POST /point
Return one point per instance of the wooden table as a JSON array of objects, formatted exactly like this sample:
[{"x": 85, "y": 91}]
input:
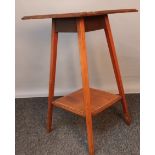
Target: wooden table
[{"x": 87, "y": 101}]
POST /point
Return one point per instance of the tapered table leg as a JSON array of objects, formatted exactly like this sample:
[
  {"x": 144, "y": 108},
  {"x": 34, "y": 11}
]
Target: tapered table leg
[
  {"x": 85, "y": 83},
  {"x": 116, "y": 68},
  {"x": 54, "y": 40}
]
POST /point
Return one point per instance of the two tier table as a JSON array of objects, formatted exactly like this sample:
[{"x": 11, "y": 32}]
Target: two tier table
[{"x": 87, "y": 101}]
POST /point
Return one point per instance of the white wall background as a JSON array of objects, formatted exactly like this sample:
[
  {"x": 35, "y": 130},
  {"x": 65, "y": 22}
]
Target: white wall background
[{"x": 33, "y": 48}]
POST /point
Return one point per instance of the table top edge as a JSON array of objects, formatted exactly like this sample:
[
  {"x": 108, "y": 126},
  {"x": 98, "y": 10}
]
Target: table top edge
[{"x": 79, "y": 14}]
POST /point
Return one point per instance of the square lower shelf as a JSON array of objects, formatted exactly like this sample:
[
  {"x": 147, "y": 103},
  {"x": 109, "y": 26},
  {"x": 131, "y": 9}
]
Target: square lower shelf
[{"x": 100, "y": 100}]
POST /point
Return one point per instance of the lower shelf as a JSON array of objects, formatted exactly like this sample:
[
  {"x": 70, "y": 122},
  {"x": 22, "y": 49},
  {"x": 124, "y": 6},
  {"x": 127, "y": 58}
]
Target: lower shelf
[{"x": 100, "y": 100}]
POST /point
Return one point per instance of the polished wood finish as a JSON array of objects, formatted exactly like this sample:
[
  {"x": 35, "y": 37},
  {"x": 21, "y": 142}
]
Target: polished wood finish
[
  {"x": 66, "y": 25},
  {"x": 94, "y": 23},
  {"x": 116, "y": 68},
  {"x": 87, "y": 101},
  {"x": 79, "y": 14},
  {"x": 100, "y": 100},
  {"x": 54, "y": 40},
  {"x": 85, "y": 83},
  {"x": 69, "y": 24}
]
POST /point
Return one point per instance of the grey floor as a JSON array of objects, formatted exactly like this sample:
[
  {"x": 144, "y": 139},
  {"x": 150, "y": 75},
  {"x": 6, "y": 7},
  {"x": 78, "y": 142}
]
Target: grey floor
[{"x": 112, "y": 136}]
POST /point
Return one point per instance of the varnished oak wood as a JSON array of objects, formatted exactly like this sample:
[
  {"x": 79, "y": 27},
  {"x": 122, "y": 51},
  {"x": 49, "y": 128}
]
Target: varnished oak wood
[
  {"x": 100, "y": 100},
  {"x": 116, "y": 69},
  {"x": 85, "y": 83},
  {"x": 85, "y": 102},
  {"x": 79, "y": 14},
  {"x": 54, "y": 40}
]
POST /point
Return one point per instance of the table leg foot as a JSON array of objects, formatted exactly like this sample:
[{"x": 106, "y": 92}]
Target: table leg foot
[{"x": 127, "y": 118}]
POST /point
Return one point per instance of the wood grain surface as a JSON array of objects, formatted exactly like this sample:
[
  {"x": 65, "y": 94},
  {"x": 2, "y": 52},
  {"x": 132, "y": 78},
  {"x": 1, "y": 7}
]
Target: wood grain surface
[
  {"x": 53, "y": 58},
  {"x": 100, "y": 100},
  {"x": 79, "y": 14}
]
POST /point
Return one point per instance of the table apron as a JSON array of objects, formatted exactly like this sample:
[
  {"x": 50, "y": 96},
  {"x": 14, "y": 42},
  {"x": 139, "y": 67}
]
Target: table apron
[{"x": 70, "y": 24}]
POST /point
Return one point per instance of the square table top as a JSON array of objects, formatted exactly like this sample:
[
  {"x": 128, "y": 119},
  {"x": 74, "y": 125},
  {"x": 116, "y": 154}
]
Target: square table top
[{"x": 79, "y": 14}]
